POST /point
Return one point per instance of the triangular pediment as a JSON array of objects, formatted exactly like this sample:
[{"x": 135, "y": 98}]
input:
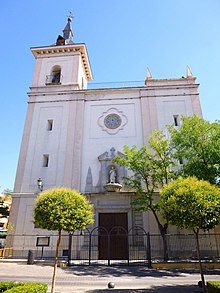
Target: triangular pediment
[{"x": 109, "y": 156}]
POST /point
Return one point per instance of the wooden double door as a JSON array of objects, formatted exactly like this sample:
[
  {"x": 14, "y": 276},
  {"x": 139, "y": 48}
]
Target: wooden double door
[{"x": 113, "y": 238}]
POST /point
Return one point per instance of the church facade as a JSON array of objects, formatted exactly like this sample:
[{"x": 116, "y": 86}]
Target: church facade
[{"x": 72, "y": 134}]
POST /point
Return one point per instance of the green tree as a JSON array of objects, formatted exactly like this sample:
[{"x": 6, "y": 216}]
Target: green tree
[
  {"x": 62, "y": 209},
  {"x": 7, "y": 193},
  {"x": 197, "y": 144},
  {"x": 4, "y": 209},
  {"x": 151, "y": 168},
  {"x": 191, "y": 204}
]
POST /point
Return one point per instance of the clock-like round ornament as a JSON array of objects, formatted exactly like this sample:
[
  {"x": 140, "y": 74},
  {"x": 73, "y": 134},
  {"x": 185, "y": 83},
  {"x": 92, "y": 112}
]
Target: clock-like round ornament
[{"x": 112, "y": 121}]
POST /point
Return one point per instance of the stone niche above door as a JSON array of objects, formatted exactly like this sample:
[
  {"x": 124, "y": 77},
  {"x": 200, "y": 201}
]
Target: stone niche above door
[{"x": 106, "y": 166}]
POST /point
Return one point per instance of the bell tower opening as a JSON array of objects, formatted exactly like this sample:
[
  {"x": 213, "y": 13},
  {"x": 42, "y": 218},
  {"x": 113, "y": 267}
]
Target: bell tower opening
[{"x": 55, "y": 75}]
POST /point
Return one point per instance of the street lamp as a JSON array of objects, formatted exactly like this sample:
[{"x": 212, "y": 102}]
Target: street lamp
[{"x": 40, "y": 184}]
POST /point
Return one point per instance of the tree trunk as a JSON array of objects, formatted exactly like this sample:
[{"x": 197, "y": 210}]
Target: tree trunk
[
  {"x": 163, "y": 232},
  {"x": 55, "y": 263},
  {"x": 199, "y": 259},
  {"x": 165, "y": 247}
]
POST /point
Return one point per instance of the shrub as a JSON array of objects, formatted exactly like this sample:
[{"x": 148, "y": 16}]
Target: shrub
[
  {"x": 25, "y": 287},
  {"x": 8, "y": 285},
  {"x": 213, "y": 286}
]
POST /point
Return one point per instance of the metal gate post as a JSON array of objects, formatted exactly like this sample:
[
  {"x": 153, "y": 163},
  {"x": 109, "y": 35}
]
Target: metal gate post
[
  {"x": 90, "y": 247},
  {"x": 108, "y": 249},
  {"x": 128, "y": 248},
  {"x": 70, "y": 249},
  {"x": 149, "y": 251}
]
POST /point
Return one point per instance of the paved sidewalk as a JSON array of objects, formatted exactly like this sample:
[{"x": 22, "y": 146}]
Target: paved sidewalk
[{"x": 95, "y": 279}]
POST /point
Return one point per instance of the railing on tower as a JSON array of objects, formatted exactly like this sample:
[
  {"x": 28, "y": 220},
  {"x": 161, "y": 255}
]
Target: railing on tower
[
  {"x": 53, "y": 79},
  {"x": 121, "y": 84}
]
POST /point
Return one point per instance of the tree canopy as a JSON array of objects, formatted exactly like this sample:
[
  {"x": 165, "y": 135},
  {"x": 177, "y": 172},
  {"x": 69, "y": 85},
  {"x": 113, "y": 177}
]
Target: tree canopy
[
  {"x": 62, "y": 209},
  {"x": 191, "y": 204},
  {"x": 7, "y": 193},
  {"x": 4, "y": 209},
  {"x": 197, "y": 143},
  {"x": 151, "y": 167},
  {"x": 5, "y": 200}
]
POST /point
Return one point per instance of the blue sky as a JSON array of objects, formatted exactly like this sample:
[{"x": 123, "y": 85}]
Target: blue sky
[{"x": 123, "y": 38}]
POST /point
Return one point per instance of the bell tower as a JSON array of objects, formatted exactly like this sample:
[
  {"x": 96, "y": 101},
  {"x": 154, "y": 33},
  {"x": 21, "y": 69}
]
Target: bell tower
[
  {"x": 52, "y": 141},
  {"x": 64, "y": 64}
]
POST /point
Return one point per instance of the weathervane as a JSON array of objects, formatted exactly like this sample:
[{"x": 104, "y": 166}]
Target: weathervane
[{"x": 70, "y": 14}]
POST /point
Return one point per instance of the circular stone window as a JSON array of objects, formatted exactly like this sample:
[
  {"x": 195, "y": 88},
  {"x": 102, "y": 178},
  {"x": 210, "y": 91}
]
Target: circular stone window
[{"x": 112, "y": 121}]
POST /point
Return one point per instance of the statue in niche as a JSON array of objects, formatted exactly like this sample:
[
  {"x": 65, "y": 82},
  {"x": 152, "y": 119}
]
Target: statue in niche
[
  {"x": 112, "y": 185},
  {"x": 112, "y": 175}
]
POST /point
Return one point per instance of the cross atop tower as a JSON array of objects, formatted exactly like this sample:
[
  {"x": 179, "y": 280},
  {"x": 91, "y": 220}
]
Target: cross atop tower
[{"x": 70, "y": 15}]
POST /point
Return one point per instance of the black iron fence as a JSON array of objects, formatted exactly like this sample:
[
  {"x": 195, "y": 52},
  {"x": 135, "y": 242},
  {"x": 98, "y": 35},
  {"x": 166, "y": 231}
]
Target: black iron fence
[{"x": 118, "y": 246}]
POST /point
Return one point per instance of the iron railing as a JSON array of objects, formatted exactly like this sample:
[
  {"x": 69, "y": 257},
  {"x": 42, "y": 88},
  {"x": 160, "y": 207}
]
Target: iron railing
[
  {"x": 53, "y": 79},
  {"x": 121, "y": 84},
  {"x": 139, "y": 247}
]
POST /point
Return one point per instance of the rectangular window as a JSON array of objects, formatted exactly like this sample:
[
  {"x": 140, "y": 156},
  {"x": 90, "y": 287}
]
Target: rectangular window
[
  {"x": 49, "y": 125},
  {"x": 176, "y": 120},
  {"x": 45, "y": 160}
]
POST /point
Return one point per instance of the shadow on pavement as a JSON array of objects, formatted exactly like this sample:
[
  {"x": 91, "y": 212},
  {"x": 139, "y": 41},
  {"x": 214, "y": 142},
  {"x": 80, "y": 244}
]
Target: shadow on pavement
[
  {"x": 164, "y": 289},
  {"x": 105, "y": 271},
  {"x": 136, "y": 271}
]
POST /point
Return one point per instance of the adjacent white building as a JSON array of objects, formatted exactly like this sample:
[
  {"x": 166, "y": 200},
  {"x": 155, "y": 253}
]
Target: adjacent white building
[{"x": 72, "y": 132}]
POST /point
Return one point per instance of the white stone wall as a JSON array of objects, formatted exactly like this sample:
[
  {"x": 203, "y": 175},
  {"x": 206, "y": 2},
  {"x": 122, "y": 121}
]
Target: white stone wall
[
  {"x": 42, "y": 141},
  {"x": 97, "y": 138},
  {"x": 169, "y": 107},
  {"x": 72, "y": 69},
  {"x": 80, "y": 135}
]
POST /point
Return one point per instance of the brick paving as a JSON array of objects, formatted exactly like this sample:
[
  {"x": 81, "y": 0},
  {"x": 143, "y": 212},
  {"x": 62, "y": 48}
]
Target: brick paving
[{"x": 95, "y": 279}]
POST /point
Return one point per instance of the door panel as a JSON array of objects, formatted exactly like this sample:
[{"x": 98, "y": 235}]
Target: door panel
[{"x": 116, "y": 242}]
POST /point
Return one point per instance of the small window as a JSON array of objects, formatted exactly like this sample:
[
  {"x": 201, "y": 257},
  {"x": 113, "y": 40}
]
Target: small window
[
  {"x": 45, "y": 160},
  {"x": 49, "y": 125},
  {"x": 176, "y": 120}
]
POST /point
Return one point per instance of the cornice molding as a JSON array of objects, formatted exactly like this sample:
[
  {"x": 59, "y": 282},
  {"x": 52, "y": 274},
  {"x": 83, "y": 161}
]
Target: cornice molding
[{"x": 48, "y": 51}]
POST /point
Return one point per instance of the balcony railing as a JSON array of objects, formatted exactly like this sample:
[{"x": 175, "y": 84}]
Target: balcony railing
[
  {"x": 121, "y": 84},
  {"x": 57, "y": 79},
  {"x": 53, "y": 79}
]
